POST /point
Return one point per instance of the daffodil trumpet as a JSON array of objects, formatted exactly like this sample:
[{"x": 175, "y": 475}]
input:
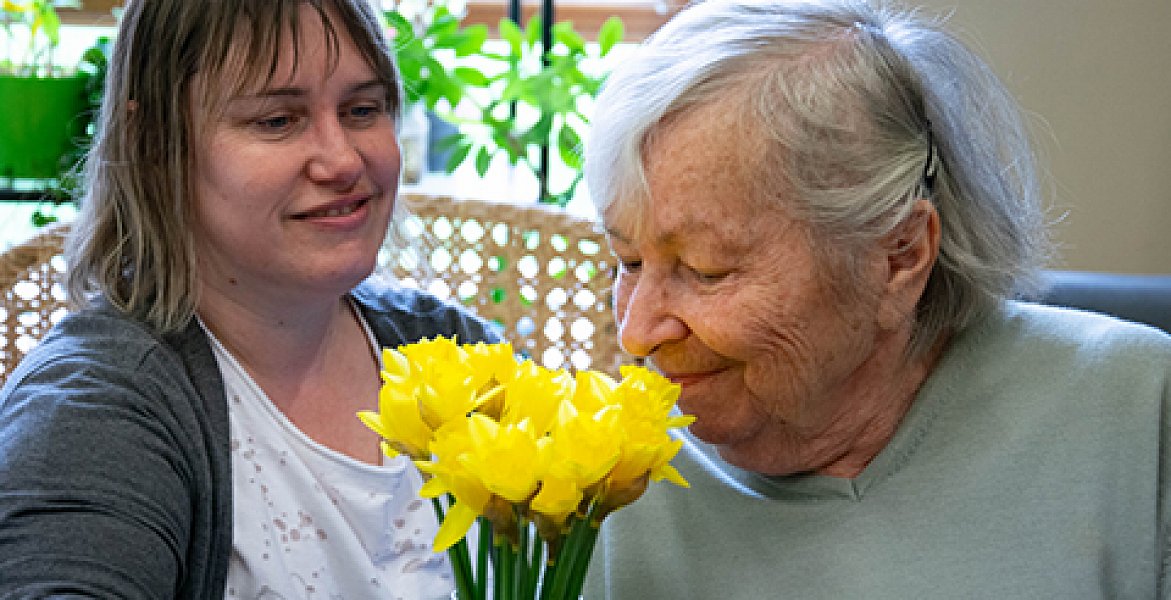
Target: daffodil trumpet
[{"x": 535, "y": 458}]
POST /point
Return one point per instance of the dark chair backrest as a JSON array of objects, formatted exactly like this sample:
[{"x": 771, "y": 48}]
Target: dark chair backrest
[{"x": 1139, "y": 298}]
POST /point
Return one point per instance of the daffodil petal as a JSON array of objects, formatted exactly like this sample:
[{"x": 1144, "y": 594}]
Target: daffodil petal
[
  {"x": 456, "y": 523},
  {"x": 433, "y": 488},
  {"x": 387, "y": 449},
  {"x": 371, "y": 420},
  {"x": 669, "y": 473}
]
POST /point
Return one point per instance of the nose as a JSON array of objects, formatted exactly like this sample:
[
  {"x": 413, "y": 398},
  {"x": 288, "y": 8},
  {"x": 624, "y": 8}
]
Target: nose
[
  {"x": 336, "y": 159},
  {"x": 647, "y": 317}
]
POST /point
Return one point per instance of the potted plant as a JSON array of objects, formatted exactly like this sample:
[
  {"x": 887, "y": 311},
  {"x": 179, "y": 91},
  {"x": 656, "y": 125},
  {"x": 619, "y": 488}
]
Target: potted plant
[
  {"x": 537, "y": 102},
  {"x": 44, "y": 103},
  {"x": 514, "y": 99},
  {"x": 427, "y": 46}
]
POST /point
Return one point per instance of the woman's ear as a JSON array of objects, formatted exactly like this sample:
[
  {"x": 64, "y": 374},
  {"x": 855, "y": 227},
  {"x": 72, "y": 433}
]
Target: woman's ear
[{"x": 910, "y": 253}]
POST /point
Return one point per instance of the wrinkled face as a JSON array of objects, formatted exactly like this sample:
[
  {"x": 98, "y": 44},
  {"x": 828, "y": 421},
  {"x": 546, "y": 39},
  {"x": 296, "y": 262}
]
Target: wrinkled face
[
  {"x": 725, "y": 296},
  {"x": 295, "y": 182}
]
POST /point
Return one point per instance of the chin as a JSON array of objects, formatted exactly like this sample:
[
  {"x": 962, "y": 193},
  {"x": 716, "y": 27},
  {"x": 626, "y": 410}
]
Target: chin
[
  {"x": 712, "y": 434},
  {"x": 347, "y": 276}
]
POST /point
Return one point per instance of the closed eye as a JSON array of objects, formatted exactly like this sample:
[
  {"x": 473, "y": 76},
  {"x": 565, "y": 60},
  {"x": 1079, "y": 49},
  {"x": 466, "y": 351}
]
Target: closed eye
[
  {"x": 708, "y": 277},
  {"x": 629, "y": 266}
]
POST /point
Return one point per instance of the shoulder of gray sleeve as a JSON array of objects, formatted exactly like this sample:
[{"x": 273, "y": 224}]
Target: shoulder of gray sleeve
[
  {"x": 107, "y": 464},
  {"x": 400, "y": 315}
]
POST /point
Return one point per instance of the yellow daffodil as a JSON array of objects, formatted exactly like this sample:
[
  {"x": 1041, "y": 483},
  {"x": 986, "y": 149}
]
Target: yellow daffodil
[
  {"x": 540, "y": 457},
  {"x": 492, "y": 361},
  {"x": 396, "y": 367},
  {"x": 492, "y": 365},
  {"x": 592, "y": 391},
  {"x": 535, "y": 394},
  {"x": 399, "y": 424},
  {"x": 447, "y": 476},
  {"x": 508, "y": 459},
  {"x": 584, "y": 447},
  {"x": 556, "y": 501}
]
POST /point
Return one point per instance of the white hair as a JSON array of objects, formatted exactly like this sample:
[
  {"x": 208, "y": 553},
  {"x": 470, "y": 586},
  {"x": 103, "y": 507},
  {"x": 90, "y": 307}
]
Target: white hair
[{"x": 852, "y": 100}]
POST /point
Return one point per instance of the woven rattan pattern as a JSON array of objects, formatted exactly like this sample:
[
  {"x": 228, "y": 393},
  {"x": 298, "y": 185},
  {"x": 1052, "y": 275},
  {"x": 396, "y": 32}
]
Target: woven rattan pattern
[
  {"x": 33, "y": 299},
  {"x": 542, "y": 274}
]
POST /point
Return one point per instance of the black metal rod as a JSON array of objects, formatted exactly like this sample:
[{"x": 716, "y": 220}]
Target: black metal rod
[
  {"x": 42, "y": 196},
  {"x": 546, "y": 49}
]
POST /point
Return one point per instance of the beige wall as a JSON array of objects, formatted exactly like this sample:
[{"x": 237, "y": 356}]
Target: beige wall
[{"x": 1096, "y": 77}]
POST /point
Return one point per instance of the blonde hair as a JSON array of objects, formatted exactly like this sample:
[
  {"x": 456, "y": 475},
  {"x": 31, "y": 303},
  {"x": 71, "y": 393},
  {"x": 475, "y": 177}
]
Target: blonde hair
[{"x": 131, "y": 242}]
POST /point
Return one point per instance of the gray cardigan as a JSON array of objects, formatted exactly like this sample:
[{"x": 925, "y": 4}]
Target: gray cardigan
[{"x": 114, "y": 462}]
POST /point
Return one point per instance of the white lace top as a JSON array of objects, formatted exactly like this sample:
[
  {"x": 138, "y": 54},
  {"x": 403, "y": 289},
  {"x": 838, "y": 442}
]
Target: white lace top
[{"x": 310, "y": 522}]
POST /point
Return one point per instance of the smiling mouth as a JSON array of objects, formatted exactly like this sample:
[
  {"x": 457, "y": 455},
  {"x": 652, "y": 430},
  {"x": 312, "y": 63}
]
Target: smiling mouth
[
  {"x": 687, "y": 379},
  {"x": 337, "y": 211}
]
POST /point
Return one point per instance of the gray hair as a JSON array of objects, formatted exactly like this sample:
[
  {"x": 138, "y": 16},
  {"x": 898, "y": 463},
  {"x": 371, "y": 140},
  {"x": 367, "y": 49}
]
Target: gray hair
[
  {"x": 131, "y": 242},
  {"x": 851, "y": 99}
]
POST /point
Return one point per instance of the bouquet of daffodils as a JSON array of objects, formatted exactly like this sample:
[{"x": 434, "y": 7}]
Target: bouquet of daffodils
[{"x": 536, "y": 458}]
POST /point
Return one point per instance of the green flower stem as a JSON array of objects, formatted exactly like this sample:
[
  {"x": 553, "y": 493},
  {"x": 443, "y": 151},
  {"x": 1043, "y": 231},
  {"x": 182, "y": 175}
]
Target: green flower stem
[
  {"x": 520, "y": 578},
  {"x": 482, "y": 553},
  {"x": 460, "y": 562},
  {"x": 505, "y": 570},
  {"x": 536, "y": 565},
  {"x": 589, "y": 535},
  {"x": 586, "y": 536},
  {"x": 500, "y": 569},
  {"x": 551, "y": 569},
  {"x": 574, "y": 559},
  {"x": 519, "y": 553}
]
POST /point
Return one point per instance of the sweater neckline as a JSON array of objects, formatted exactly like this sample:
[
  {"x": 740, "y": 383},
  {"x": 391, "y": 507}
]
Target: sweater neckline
[{"x": 930, "y": 401}]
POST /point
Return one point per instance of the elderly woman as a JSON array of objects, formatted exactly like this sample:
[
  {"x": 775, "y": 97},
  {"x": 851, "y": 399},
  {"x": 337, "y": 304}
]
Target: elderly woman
[
  {"x": 190, "y": 431},
  {"x": 822, "y": 212}
]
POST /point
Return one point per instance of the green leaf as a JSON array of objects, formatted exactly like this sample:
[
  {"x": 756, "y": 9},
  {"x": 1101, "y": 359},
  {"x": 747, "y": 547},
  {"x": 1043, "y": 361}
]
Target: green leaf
[
  {"x": 563, "y": 32},
  {"x": 610, "y": 34},
  {"x": 470, "y": 77},
  {"x": 402, "y": 27},
  {"x": 41, "y": 219},
  {"x": 463, "y": 42},
  {"x": 483, "y": 161},
  {"x": 503, "y": 141},
  {"x": 512, "y": 34},
  {"x": 542, "y": 128},
  {"x": 473, "y": 40},
  {"x": 425, "y": 92},
  {"x": 533, "y": 30},
  {"x": 50, "y": 22},
  {"x": 569, "y": 147},
  {"x": 457, "y": 157},
  {"x": 444, "y": 23},
  {"x": 449, "y": 88},
  {"x": 449, "y": 142}
]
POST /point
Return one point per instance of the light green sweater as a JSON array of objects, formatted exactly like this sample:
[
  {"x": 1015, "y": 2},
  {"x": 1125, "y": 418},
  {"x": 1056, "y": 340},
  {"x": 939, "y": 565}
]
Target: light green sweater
[{"x": 1035, "y": 463}]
